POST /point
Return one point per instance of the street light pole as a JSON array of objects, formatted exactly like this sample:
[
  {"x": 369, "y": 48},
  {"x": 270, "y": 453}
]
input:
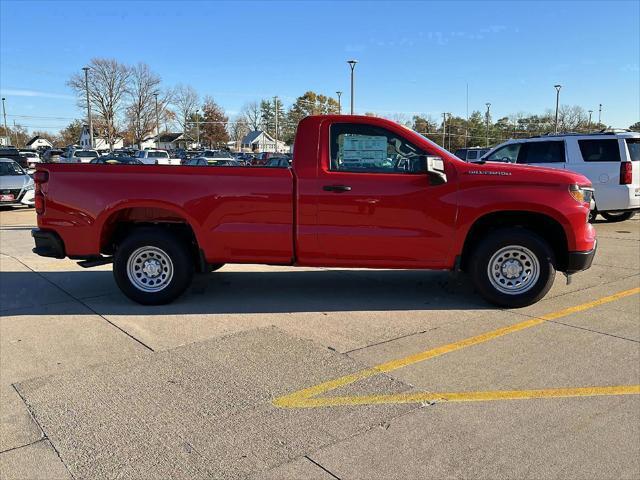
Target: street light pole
[
  {"x": 589, "y": 124},
  {"x": 600, "y": 114},
  {"x": 444, "y": 127},
  {"x": 275, "y": 105},
  {"x": 352, "y": 64},
  {"x": 198, "y": 127},
  {"x": 89, "y": 119},
  {"x": 4, "y": 114},
  {"x": 155, "y": 94},
  {"x": 557, "y": 87},
  {"x": 339, "y": 93},
  {"x": 487, "y": 124}
]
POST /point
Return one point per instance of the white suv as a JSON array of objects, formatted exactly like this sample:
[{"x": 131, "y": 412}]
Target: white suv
[
  {"x": 610, "y": 159},
  {"x": 156, "y": 157}
]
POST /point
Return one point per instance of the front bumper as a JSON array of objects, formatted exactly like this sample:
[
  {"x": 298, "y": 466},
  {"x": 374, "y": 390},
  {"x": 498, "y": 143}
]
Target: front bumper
[
  {"x": 48, "y": 244},
  {"x": 579, "y": 261}
]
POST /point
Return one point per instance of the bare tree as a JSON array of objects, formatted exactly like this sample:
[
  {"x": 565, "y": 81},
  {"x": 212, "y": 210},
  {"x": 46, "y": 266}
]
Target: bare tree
[
  {"x": 186, "y": 101},
  {"x": 108, "y": 87},
  {"x": 141, "y": 109},
  {"x": 253, "y": 115},
  {"x": 237, "y": 130}
]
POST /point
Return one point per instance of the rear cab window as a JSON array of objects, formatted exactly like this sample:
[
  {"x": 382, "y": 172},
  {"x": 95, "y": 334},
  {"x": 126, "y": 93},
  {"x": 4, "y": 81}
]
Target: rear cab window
[{"x": 604, "y": 150}]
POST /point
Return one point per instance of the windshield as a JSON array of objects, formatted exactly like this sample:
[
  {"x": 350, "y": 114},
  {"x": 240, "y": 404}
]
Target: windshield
[
  {"x": 10, "y": 168},
  {"x": 158, "y": 155}
]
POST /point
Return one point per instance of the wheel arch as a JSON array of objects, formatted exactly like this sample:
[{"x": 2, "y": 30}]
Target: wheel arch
[{"x": 545, "y": 226}]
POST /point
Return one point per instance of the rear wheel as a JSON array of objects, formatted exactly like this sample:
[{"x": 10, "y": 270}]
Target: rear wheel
[
  {"x": 512, "y": 267},
  {"x": 617, "y": 216},
  {"x": 152, "y": 267}
]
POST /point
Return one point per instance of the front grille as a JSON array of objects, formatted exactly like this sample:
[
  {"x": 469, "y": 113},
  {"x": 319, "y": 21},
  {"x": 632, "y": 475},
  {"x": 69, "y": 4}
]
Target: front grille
[{"x": 14, "y": 191}]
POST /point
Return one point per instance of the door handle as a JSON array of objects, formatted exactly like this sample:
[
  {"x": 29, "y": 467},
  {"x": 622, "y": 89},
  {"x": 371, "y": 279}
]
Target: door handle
[{"x": 337, "y": 188}]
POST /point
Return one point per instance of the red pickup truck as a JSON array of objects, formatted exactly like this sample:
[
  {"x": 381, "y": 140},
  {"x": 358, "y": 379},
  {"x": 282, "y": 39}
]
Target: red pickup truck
[{"x": 361, "y": 192}]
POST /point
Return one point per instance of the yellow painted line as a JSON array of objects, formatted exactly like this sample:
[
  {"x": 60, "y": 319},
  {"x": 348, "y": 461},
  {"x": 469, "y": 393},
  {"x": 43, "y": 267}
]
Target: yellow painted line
[
  {"x": 420, "y": 397},
  {"x": 304, "y": 397}
]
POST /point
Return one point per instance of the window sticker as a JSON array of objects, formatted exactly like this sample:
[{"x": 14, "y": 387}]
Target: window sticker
[{"x": 363, "y": 149}]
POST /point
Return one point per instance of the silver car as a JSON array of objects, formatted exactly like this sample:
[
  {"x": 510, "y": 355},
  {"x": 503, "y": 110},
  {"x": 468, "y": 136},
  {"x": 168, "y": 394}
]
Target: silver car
[{"x": 16, "y": 187}]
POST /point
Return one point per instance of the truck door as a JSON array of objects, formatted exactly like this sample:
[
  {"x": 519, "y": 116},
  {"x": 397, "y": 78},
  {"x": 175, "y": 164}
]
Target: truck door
[{"x": 377, "y": 205}]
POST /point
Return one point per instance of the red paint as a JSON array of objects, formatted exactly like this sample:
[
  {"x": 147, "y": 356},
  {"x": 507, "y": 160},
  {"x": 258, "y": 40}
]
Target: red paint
[{"x": 281, "y": 216}]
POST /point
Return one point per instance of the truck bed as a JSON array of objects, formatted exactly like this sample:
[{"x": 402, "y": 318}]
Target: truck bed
[{"x": 239, "y": 213}]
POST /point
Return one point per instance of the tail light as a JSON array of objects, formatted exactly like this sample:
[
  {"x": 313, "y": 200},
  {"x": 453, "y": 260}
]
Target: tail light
[
  {"x": 40, "y": 177},
  {"x": 626, "y": 173}
]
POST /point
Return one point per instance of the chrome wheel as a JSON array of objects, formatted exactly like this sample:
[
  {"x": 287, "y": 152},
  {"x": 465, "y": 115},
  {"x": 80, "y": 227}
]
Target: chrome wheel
[
  {"x": 150, "y": 269},
  {"x": 513, "y": 270}
]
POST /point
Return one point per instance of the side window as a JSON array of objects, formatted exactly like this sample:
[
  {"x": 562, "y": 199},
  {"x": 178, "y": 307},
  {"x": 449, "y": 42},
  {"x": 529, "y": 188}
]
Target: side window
[
  {"x": 370, "y": 149},
  {"x": 600, "y": 150},
  {"x": 472, "y": 155},
  {"x": 542, "y": 152},
  {"x": 633, "y": 144},
  {"x": 508, "y": 153}
]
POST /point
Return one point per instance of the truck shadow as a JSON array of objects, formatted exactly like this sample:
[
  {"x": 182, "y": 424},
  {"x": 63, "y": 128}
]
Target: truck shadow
[{"x": 229, "y": 292}]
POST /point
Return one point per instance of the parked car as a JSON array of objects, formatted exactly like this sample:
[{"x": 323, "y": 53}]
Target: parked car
[
  {"x": 80, "y": 155},
  {"x": 610, "y": 159},
  {"x": 16, "y": 186},
  {"x": 53, "y": 155},
  {"x": 156, "y": 157},
  {"x": 470, "y": 154},
  {"x": 115, "y": 159},
  {"x": 211, "y": 162},
  {"x": 282, "y": 162},
  {"x": 261, "y": 158},
  {"x": 32, "y": 158},
  {"x": 15, "y": 155},
  {"x": 216, "y": 155},
  {"x": 378, "y": 196}
]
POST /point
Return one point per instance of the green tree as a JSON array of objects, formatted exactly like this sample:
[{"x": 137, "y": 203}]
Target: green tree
[
  {"x": 635, "y": 127},
  {"x": 70, "y": 134},
  {"x": 213, "y": 132},
  {"x": 310, "y": 103}
]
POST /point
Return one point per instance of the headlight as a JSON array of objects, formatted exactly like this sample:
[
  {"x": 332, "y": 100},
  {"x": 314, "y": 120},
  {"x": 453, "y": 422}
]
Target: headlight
[
  {"x": 581, "y": 194},
  {"x": 30, "y": 186}
]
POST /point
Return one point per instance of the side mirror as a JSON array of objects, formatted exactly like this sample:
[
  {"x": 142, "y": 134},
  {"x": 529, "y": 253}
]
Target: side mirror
[{"x": 435, "y": 168}]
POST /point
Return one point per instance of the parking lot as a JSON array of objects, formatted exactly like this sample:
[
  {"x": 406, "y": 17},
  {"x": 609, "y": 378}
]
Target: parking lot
[{"x": 276, "y": 372}]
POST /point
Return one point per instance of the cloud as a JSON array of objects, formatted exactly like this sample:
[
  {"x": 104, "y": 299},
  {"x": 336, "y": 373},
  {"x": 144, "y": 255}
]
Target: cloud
[{"x": 34, "y": 93}]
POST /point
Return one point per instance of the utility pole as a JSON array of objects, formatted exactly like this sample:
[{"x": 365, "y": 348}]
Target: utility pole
[
  {"x": 275, "y": 105},
  {"x": 198, "y": 127},
  {"x": 4, "y": 114},
  {"x": 557, "y": 87},
  {"x": 487, "y": 122},
  {"x": 600, "y": 115},
  {"x": 449, "y": 143},
  {"x": 589, "y": 125},
  {"x": 89, "y": 119},
  {"x": 352, "y": 64},
  {"x": 444, "y": 127},
  {"x": 155, "y": 94},
  {"x": 339, "y": 93}
]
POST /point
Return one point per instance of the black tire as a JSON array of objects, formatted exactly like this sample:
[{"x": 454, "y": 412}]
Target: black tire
[
  {"x": 617, "y": 216},
  {"x": 167, "y": 246},
  {"x": 215, "y": 266},
  {"x": 527, "y": 243}
]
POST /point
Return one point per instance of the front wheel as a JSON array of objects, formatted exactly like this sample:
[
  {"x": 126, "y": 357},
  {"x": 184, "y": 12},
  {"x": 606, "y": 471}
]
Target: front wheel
[
  {"x": 617, "y": 216},
  {"x": 152, "y": 267},
  {"x": 512, "y": 267}
]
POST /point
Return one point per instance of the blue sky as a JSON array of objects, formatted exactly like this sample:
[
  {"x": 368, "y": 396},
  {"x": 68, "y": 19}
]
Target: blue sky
[{"x": 413, "y": 57}]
